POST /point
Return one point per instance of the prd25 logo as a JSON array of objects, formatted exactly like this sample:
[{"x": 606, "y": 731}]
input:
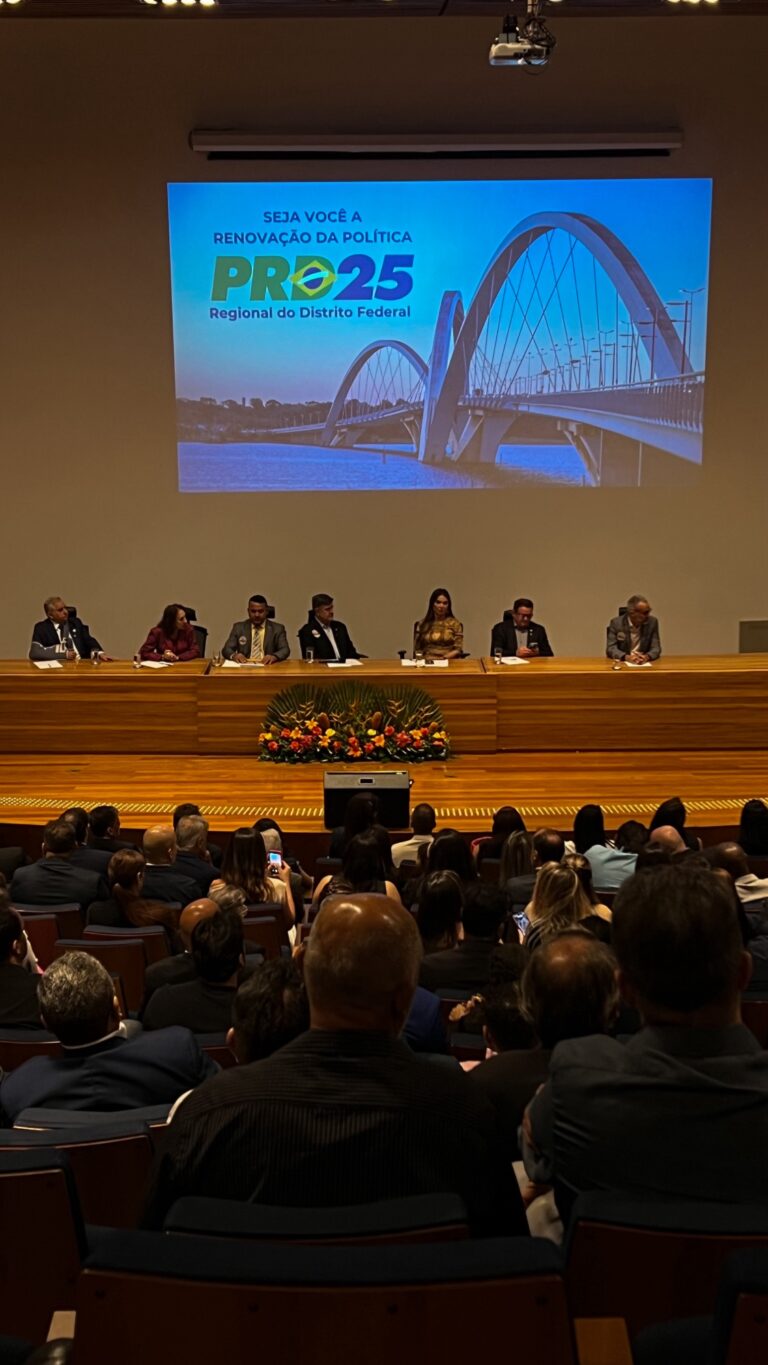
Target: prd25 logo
[{"x": 312, "y": 277}]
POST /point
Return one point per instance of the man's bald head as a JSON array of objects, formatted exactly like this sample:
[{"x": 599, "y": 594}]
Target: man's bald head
[
  {"x": 668, "y": 838},
  {"x": 361, "y": 964},
  {"x": 159, "y": 844},
  {"x": 730, "y": 858},
  {"x": 570, "y": 988},
  {"x": 192, "y": 914}
]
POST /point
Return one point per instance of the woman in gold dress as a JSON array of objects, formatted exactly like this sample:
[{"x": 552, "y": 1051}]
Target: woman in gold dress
[{"x": 439, "y": 635}]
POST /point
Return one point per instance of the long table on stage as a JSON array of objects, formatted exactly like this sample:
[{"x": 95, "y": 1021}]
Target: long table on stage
[{"x": 564, "y": 705}]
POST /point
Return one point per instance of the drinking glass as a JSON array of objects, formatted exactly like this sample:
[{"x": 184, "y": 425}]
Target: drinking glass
[
  {"x": 217, "y": 660},
  {"x": 418, "y": 657},
  {"x": 309, "y": 654},
  {"x": 498, "y": 654}
]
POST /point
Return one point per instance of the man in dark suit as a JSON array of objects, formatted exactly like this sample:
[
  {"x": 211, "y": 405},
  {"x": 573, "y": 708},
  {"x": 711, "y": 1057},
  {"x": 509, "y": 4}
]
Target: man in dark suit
[
  {"x": 97, "y": 859},
  {"x": 329, "y": 639},
  {"x": 60, "y": 632},
  {"x": 548, "y": 847},
  {"x": 633, "y": 635},
  {"x": 101, "y": 1069},
  {"x": 54, "y": 879},
  {"x": 257, "y": 640},
  {"x": 519, "y": 635},
  {"x": 346, "y": 1113},
  {"x": 467, "y": 966},
  {"x": 204, "y": 1004},
  {"x": 19, "y": 1006},
  {"x": 193, "y": 858},
  {"x": 162, "y": 879},
  {"x": 103, "y": 829}
]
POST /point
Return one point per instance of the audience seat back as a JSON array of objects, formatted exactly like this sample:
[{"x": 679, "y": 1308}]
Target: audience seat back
[
  {"x": 110, "y": 1165},
  {"x": 43, "y": 933},
  {"x": 124, "y": 957},
  {"x": 271, "y": 910},
  {"x": 489, "y": 870},
  {"x": 42, "y": 1240},
  {"x": 215, "y": 1045},
  {"x": 652, "y": 1262},
  {"x": 264, "y": 932},
  {"x": 419, "y": 1218},
  {"x": 158, "y": 1298},
  {"x": 18, "y": 1045},
  {"x": 153, "y": 936}
]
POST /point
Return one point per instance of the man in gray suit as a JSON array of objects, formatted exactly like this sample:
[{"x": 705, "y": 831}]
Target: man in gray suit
[
  {"x": 634, "y": 634},
  {"x": 257, "y": 640}
]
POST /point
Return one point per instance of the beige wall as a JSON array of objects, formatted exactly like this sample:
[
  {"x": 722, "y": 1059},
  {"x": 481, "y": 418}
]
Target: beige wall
[{"x": 95, "y": 121}]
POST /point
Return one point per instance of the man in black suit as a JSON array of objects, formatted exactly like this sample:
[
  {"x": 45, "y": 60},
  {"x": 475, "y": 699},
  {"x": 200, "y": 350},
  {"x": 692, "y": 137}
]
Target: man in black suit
[
  {"x": 180, "y": 967},
  {"x": 467, "y": 966},
  {"x": 215, "y": 851},
  {"x": 346, "y": 1113},
  {"x": 204, "y": 1004},
  {"x": 101, "y": 1068},
  {"x": 548, "y": 847},
  {"x": 257, "y": 640},
  {"x": 193, "y": 858},
  {"x": 162, "y": 879},
  {"x": 329, "y": 639},
  {"x": 60, "y": 632},
  {"x": 19, "y": 1006},
  {"x": 519, "y": 635},
  {"x": 97, "y": 859},
  {"x": 103, "y": 829},
  {"x": 633, "y": 635},
  {"x": 54, "y": 879}
]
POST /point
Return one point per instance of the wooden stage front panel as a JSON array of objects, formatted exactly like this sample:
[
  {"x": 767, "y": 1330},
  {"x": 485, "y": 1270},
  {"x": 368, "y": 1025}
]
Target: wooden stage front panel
[{"x": 232, "y": 705}]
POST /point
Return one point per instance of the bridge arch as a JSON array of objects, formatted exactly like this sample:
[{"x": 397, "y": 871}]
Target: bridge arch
[
  {"x": 359, "y": 364},
  {"x": 447, "y": 331},
  {"x": 638, "y": 294}
]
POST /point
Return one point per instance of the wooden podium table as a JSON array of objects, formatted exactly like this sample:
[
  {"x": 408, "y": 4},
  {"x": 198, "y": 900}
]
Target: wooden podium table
[{"x": 557, "y": 705}]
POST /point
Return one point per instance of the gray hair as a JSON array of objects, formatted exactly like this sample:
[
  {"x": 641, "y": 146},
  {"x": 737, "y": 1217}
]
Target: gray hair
[
  {"x": 636, "y": 599},
  {"x": 272, "y": 841},
  {"x": 76, "y": 997},
  {"x": 190, "y": 830},
  {"x": 229, "y": 897}
]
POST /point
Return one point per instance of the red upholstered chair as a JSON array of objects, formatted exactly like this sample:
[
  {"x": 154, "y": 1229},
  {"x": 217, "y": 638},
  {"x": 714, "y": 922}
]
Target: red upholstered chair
[
  {"x": 42, "y": 1240},
  {"x": 124, "y": 957},
  {"x": 651, "y": 1262},
  {"x": 263, "y": 931},
  {"x": 149, "y": 1298},
  {"x": 18, "y": 1045},
  {"x": 153, "y": 936},
  {"x": 271, "y": 910},
  {"x": 110, "y": 1165},
  {"x": 43, "y": 933},
  {"x": 68, "y": 917}
]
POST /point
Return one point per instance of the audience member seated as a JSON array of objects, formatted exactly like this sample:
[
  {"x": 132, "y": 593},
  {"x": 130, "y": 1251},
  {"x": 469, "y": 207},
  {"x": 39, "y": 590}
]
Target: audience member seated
[
  {"x": 423, "y": 821},
  {"x": 517, "y": 860},
  {"x": 346, "y": 1113},
  {"x": 588, "y": 831},
  {"x": 103, "y": 829},
  {"x": 753, "y": 829},
  {"x": 127, "y": 907},
  {"x": 467, "y": 966},
  {"x": 583, "y": 870},
  {"x": 673, "y": 812},
  {"x": 273, "y": 844},
  {"x": 327, "y": 638},
  {"x": 568, "y": 991},
  {"x": 361, "y": 813},
  {"x": 506, "y": 967},
  {"x": 180, "y": 967},
  {"x": 680, "y": 1111},
  {"x": 506, "y": 821},
  {"x": 269, "y": 1010},
  {"x": 163, "y": 879},
  {"x": 307, "y": 882},
  {"x": 11, "y": 858},
  {"x": 362, "y": 870},
  {"x": 439, "y": 635},
  {"x": 668, "y": 839},
  {"x": 559, "y": 902},
  {"x": 19, "y": 1006},
  {"x": 173, "y": 639},
  {"x": 54, "y": 879},
  {"x": 751, "y": 890},
  {"x": 245, "y": 865},
  {"x": 611, "y": 866},
  {"x": 215, "y": 851},
  {"x": 439, "y": 910},
  {"x": 204, "y": 1004},
  {"x": 102, "y": 1069},
  {"x": 548, "y": 847},
  {"x": 193, "y": 858},
  {"x": 84, "y": 855}
]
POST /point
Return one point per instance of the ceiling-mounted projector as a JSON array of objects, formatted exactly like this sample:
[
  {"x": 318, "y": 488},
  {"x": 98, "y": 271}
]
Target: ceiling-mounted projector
[{"x": 523, "y": 42}]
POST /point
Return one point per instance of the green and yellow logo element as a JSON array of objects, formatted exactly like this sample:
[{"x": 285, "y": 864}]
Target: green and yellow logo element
[{"x": 313, "y": 279}]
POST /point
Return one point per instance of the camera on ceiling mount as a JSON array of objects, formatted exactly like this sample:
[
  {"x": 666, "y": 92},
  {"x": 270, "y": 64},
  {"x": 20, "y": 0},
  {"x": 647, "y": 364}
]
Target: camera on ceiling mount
[{"x": 524, "y": 41}]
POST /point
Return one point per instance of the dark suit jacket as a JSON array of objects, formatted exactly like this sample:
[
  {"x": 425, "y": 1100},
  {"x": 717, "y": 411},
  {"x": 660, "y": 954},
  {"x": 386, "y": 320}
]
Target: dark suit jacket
[
  {"x": 10, "y": 859},
  {"x": 510, "y": 1081},
  {"x": 18, "y": 997},
  {"x": 174, "y": 971},
  {"x": 519, "y": 890},
  {"x": 167, "y": 882},
  {"x": 424, "y": 1030},
  {"x": 118, "y": 1073},
  {"x": 275, "y": 640},
  {"x": 94, "y": 859},
  {"x": 313, "y": 636},
  {"x": 198, "y": 869},
  {"x": 56, "y": 881},
  {"x": 46, "y": 638},
  {"x": 618, "y": 638},
  {"x": 338, "y": 1118},
  {"x": 197, "y": 1005},
  {"x": 465, "y": 967},
  {"x": 110, "y": 846},
  {"x": 504, "y": 637}
]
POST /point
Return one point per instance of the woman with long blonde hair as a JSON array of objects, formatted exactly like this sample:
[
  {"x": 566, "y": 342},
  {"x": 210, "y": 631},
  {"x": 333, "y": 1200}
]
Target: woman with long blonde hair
[{"x": 559, "y": 902}]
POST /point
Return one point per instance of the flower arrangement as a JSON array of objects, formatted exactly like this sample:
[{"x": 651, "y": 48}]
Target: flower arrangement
[{"x": 352, "y": 722}]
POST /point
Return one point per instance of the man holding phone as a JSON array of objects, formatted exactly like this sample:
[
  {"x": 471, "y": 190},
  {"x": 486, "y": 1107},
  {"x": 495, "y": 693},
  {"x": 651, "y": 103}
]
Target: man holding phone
[{"x": 518, "y": 634}]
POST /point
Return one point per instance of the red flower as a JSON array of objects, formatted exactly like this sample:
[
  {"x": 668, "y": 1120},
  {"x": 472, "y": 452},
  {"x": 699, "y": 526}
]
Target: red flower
[
  {"x": 295, "y": 745},
  {"x": 438, "y": 743},
  {"x": 285, "y": 734},
  {"x": 425, "y": 729},
  {"x": 417, "y": 744},
  {"x": 389, "y": 730},
  {"x": 273, "y": 746},
  {"x": 336, "y": 746},
  {"x": 403, "y": 738},
  {"x": 368, "y": 748}
]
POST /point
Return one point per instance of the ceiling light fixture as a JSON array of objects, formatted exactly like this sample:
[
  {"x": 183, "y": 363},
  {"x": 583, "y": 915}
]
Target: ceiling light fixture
[{"x": 176, "y": 4}]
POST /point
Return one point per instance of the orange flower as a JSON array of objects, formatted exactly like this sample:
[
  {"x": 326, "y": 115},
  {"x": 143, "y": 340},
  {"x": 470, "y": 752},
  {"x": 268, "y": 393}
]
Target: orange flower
[
  {"x": 285, "y": 734},
  {"x": 295, "y": 745}
]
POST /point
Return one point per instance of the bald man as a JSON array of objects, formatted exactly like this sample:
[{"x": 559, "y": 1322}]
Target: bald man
[
  {"x": 163, "y": 881},
  {"x": 346, "y": 1113},
  {"x": 669, "y": 839}
]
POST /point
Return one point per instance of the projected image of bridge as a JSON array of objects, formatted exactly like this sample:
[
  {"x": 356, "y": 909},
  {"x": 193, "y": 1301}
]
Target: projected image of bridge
[{"x": 565, "y": 344}]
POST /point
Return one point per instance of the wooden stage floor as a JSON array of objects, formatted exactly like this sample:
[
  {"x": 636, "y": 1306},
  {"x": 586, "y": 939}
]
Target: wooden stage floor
[{"x": 548, "y": 788}]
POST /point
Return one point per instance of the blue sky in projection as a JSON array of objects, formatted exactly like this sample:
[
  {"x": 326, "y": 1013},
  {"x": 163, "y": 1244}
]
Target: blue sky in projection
[{"x": 455, "y": 228}]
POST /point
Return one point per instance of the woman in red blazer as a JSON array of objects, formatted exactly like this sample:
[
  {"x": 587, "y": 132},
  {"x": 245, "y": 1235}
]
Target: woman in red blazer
[{"x": 173, "y": 640}]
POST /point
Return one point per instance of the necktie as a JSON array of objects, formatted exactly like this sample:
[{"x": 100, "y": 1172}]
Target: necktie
[{"x": 257, "y": 651}]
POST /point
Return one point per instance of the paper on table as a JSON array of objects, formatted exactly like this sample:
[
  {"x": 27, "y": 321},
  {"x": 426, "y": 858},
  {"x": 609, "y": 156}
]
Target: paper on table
[
  {"x": 627, "y": 664},
  {"x": 513, "y": 659},
  {"x": 46, "y": 663},
  {"x": 345, "y": 663},
  {"x": 250, "y": 663},
  {"x": 230, "y": 663},
  {"x": 155, "y": 663},
  {"x": 425, "y": 663}
]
